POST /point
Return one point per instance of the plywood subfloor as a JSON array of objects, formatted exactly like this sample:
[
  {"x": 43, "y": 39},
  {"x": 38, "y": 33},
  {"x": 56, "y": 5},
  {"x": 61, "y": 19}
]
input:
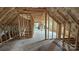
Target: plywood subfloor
[
  {"x": 22, "y": 44},
  {"x": 19, "y": 45}
]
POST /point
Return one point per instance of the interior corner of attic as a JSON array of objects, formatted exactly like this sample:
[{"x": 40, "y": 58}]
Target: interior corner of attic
[{"x": 39, "y": 29}]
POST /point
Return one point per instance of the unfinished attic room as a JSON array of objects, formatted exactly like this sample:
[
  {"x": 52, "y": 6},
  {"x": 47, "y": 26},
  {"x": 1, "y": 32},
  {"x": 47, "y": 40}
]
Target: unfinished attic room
[{"x": 39, "y": 28}]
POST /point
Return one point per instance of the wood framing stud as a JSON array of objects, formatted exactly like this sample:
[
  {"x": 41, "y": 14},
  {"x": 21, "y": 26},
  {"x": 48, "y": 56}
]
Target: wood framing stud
[{"x": 45, "y": 25}]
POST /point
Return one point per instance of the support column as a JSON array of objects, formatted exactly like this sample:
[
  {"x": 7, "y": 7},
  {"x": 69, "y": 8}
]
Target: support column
[
  {"x": 48, "y": 26},
  {"x": 45, "y": 25},
  {"x": 77, "y": 38},
  {"x": 19, "y": 25},
  {"x": 69, "y": 35},
  {"x": 59, "y": 32},
  {"x": 9, "y": 32},
  {"x": 64, "y": 34},
  {"x": 69, "y": 32},
  {"x": 0, "y": 40},
  {"x": 52, "y": 27},
  {"x": 64, "y": 31}
]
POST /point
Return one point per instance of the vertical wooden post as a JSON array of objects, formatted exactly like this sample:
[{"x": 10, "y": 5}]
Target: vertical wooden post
[
  {"x": 77, "y": 38},
  {"x": 23, "y": 27},
  {"x": 64, "y": 35},
  {"x": 64, "y": 32},
  {"x": 32, "y": 26},
  {"x": 59, "y": 32},
  {"x": 69, "y": 35},
  {"x": 69, "y": 32},
  {"x": 45, "y": 25},
  {"x": 1, "y": 39},
  {"x": 48, "y": 25},
  {"x": 57, "y": 27},
  {"x": 14, "y": 31},
  {"x": 9, "y": 32},
  {"x": 19, "y": 25},
  {"x": 52, "y": 27}
]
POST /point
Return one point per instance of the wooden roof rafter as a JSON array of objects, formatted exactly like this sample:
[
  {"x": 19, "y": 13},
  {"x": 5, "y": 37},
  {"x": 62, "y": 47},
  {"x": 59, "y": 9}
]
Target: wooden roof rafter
[
  {"x": 61, "y": 19},
  {"x": 66, "y": 18},
  {"x": 73, "y": 16},
  {"x": 5, "y": 10},
  {"x": 6, "y": 14},
  {"x": 8, "y": 18},
  {"x": 11, "y": 20},
  {"x": 53, "y": 16},
  {"x": 30, "y": 10}
]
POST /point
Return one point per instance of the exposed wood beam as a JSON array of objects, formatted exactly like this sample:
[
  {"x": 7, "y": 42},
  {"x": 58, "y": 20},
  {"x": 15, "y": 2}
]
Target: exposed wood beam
[
  {"x": 56, "y": 14},
  {"x": 73, "y": 16},
  {"x": 53, "y": 16},
  {"x": 9, "y": 32},
  {"x": 48, "y": 25},
  {"x": 3, "y": 12},
  {"x": 64, "y": 30},
  {"x": 64, "y": 35},
  {"x": 6, "y": 14},
  {"x": 64, "y": 16},
  {"x": 19, "y": 25},
  {"x": 61, "y": 19},
  {"x": 7, "y": 18},
  {"x": 12, "y": 20},
  {"x": 45, "y": 25},
  {"x": 32, "y": 10},
  {"x": 77, "y": 40},
  {"x": 59, "y": 32},
  {"x": 69, "y": 33},
  {"x": 52, "y": 28}
]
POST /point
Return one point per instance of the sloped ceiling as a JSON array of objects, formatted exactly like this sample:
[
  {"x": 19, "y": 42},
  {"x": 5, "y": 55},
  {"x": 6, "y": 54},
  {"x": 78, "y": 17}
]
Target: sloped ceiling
[
  {"x": 60, "y": 14},
  {"x": 65, "y": 13},
  {"x": 70, "y": 15},
  {"x": 7, "y": 15}
]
